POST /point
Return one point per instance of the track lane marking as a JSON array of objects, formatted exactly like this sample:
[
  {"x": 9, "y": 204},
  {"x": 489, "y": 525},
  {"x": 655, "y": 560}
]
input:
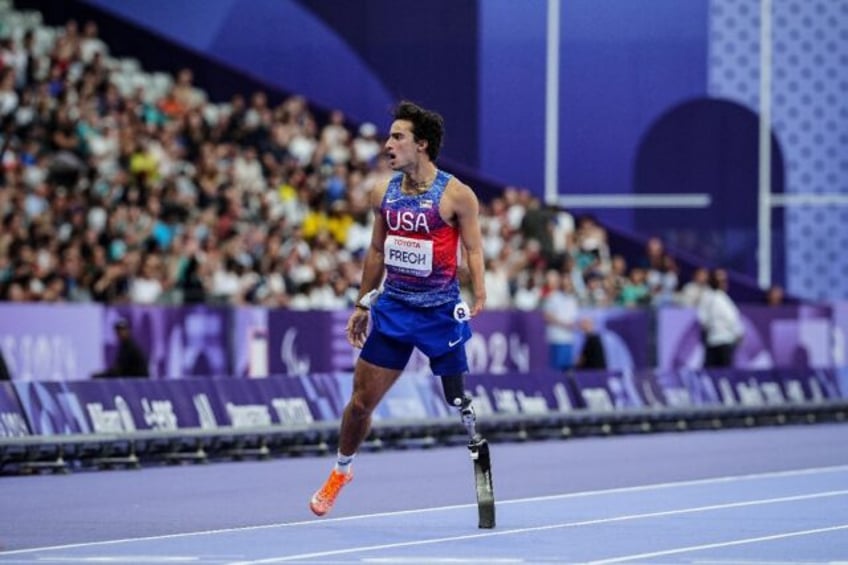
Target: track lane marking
[
  {"x": 317, "y": 522},
  {"x": 594, "y": 522},
  {"x": 691, "y": 548}
]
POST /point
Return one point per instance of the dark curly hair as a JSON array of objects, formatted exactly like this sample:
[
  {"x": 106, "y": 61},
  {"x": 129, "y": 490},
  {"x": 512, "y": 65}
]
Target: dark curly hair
[{"x": 426, "y": 125}]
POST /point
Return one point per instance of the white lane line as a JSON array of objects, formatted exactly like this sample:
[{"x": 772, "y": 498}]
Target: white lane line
[
  {"x": 317, "y": 522},
  {"x": 743, "y": 541},
  {"x": 427, "y": 560},
  {"x": 597, "y": 521}
]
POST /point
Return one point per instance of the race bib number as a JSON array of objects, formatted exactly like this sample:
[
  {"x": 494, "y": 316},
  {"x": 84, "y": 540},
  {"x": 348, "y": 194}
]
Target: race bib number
[
  {"x": 461, "y": 312},
  {"x": 409, "y": 256}
]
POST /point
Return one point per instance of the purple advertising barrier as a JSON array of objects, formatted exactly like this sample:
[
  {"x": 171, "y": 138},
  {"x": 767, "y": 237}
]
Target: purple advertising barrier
[
  {"x": 119, "y": 405},
  {"x": 795, "y": 336},
  {"x": 249, "y": 342},
  {"x": 305, "y": 342},
  {"x": 686, "y": 387},
  {"x": 809, "y": 385},
  {"x": 50, "y": 409},
  {"x": 624, "y": 333},
  {"x": 127, "y": 405},
  {"x": 741, "y": 387},
  {"x": 418, "y": 393},
  {"x": 507, "y": 341},
  {"x": 301, "y": 343},
  {"x": 284, "y": 400},
  {"x": 179, "y": 341},
  {"x": 606, "y": 391},
  {"x": 42, "y": 342},
  {"x": 777, "y": 337},
  {"x": 763, "y": 388},
  {"x": 12, "y": 418},
  {"x": 840, "y": 343},
  {"x": 539, "y": 392}
]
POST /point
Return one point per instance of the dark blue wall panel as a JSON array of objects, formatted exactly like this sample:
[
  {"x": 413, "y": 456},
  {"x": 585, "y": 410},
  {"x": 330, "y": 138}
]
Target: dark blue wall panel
[
  {"x": 423, "y": 51},
  {"x": 623, "y": 64},
  {"x": 283, "y": 44},
  {"x": 512, "y": 92}
]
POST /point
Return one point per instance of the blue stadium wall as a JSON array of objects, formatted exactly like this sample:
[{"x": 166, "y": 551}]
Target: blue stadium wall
[{"x": 656, "y": 96}]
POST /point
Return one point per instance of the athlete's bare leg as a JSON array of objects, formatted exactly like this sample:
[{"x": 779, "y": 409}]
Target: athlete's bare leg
[{"x": 370, "y": 384}]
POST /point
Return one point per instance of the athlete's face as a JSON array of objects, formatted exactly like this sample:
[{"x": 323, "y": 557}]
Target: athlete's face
[{"x": 401, "y": 148}]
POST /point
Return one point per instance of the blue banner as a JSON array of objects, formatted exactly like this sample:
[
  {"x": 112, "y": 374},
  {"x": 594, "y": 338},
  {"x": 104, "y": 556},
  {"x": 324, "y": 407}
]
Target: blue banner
[
  {"x": 13, "y": 421},
  {"x": 120, "y": 406}
]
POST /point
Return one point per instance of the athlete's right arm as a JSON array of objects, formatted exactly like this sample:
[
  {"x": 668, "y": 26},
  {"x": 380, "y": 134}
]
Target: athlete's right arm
[
  {"x": 374, "y": 267},
  {"x": 372, "y": 271}
]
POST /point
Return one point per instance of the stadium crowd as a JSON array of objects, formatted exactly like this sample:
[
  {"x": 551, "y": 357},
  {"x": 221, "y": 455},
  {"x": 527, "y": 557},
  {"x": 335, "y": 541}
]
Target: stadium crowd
[{"x": 144, "y": 191}]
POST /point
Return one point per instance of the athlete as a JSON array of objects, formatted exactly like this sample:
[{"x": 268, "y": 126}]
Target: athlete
[{"x": 422, "y": 215}]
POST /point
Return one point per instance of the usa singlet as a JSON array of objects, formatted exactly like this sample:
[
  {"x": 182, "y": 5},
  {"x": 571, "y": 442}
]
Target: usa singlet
[{"x": 420, "y": 251}]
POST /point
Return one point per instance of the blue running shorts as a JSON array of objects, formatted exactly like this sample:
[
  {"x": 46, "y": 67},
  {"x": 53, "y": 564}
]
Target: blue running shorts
[{"x": 439, "y": 332}]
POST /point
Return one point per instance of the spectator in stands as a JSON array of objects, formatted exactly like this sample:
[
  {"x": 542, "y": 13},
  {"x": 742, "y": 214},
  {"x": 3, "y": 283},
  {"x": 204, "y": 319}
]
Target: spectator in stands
[
  {"x": 8, "y": 94},
  {"x": 91, "y": 45},
  {"x": 149, "y": 284},
  {"x": 130, "y": 360},
  {"x": 592, "y": 353},
  {"x": 537, "y": 224},
  {"x": 333, "y": 142},
  {"x": 597, "y": 294},
  {"x": 326, "y": 294},
  {"x": 187, "y": 93},
  {"x": 560, "y": 311},
  {"x": 190, "y": 282},
  {"x": 366, "y": 147},
  {"x": 654, "y": 254},
  {"x": 497, "y": 283},
  {"x": 569, "y": 269},
  {"x": 690, "y": 294},
  {"x": 528, "y": 294},
  {"x": 592, "y": 249},
  {"x": 29, "y": 64},
  {"x": 774, "y": 295},
  {"x": 721, "y": 322},
  {"x": 617, "y": 278},
  {"x": 111, "y": 285},
  {"x": 562, "y": 232},
  {"x": 635, "y": 291},
  {"x": 662, "y": 281}
]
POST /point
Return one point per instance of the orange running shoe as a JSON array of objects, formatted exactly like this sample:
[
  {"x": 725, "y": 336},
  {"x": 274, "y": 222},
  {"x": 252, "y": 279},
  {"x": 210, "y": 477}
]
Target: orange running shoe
[{"x": 323, "y": 499}]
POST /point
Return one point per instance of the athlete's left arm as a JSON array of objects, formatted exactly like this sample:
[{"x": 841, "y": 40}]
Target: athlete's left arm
[{"x": 466, "y": 210}]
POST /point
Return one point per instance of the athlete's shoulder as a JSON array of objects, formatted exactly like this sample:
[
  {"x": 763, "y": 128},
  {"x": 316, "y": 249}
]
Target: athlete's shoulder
[
  {"x": 459, "y": 192},
  {"x": 379, "y": 191}
]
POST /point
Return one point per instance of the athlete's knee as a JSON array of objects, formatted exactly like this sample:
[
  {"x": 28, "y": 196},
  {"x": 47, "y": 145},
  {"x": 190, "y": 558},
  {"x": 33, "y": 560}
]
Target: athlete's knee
[{"x": 358, "y": 408}]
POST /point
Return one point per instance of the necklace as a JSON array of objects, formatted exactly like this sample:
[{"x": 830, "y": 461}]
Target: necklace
[{"x": 418, "y": 186}]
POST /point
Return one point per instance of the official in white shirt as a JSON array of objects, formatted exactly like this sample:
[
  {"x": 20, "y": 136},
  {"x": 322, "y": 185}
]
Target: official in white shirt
[{"x": 720, "y": 321}]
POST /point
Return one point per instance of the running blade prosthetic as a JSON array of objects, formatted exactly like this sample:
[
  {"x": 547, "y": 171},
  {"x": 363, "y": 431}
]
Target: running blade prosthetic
[{"x": 479, "y": 449}]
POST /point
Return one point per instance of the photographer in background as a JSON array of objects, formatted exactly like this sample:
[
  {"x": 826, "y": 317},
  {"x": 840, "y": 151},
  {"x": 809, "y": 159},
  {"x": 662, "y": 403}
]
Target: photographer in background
[{"x": 130, "y": 360}]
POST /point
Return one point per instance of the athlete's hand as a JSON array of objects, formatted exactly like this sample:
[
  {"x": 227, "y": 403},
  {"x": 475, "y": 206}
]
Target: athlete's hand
[
  {"x": 477, "y": 307},
  {"x": 357, "y": 327}
]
